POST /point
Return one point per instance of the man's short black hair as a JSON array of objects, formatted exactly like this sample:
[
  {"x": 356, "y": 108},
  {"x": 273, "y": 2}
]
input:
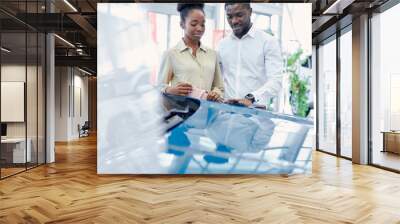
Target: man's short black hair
[{"x": 247, "y": 5}]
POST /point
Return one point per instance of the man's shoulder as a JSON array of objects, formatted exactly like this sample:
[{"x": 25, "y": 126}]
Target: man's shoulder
[
  {"x": 263, "y": 35},
  {"x": 225, "y": 39}
]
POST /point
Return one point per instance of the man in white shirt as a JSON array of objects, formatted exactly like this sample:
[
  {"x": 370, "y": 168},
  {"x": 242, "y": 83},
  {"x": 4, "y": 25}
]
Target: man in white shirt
[{"x": 250, "y": 59}]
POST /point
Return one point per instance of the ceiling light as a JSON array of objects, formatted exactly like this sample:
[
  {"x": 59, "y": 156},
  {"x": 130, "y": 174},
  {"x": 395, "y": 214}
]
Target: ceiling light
[
  {"x": 84, "y": 71},
  {"x": 79, "y": 51},
  {"x": 5, "y": 50},
  {"x": 70, "y": 5},
  {"x": 65, "y": 41}
]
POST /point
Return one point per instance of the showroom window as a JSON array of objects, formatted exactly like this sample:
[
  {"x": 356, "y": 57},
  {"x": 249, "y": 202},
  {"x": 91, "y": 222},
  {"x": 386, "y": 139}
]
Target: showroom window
[
  {"x": 334, "y": 106},
  {"x": 346, "y": 93},
  {"x": 385, "y": 89},
  {"x": 327, "y": 96}
]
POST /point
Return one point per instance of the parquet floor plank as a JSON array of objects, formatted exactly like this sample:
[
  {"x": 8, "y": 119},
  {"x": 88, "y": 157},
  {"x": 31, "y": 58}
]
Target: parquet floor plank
[{"x": 70, "y": 191}]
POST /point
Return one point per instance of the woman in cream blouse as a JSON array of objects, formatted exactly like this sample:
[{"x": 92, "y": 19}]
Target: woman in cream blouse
[{"x": 190, "y": 68}]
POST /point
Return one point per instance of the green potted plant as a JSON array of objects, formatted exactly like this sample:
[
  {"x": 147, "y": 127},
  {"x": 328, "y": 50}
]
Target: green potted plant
[{"x": 299, "y": 89}]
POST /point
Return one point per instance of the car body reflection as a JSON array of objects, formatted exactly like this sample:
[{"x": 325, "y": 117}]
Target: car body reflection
[{"x": 214, "y": 138}]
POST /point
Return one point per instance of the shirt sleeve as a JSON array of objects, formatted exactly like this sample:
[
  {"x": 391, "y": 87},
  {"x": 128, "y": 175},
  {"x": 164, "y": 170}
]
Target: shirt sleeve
[
  {"x": 273, "y": 64},
  {"x": 165, "y": 72},
  {"x": 218, "y": 84}
]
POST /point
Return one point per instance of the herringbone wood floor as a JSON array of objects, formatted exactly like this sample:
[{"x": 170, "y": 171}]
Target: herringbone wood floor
[{"x": 70, "y": 191}]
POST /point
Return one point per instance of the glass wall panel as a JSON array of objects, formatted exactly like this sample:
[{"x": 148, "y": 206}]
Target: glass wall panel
[
  {"x": 32, "y": 88},
  {"x": 14, "y": 153},
  {"x": 385, "y": 84},
  {"x": 327, "y": 96},
  {"x": 346, "y": 94},
  {"x": 22, "y": 90}
]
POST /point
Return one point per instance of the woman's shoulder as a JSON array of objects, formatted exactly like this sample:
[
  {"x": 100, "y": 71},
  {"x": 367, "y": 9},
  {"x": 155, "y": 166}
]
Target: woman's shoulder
[{"x": 209, "y": 50}]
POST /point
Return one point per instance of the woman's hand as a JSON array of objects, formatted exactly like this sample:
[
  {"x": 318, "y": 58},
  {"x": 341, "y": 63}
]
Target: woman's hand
[
  {"x": 182, "y": 89},
  {"x": 244, "y": 102},
  {"x": 213, "y": 96}
]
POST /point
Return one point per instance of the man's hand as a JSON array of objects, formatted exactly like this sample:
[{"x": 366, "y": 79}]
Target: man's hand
[
  {"x": 244, "y": 102},
  {"x": 213, "y": 96},
  {"x": 182, "y": 89}
]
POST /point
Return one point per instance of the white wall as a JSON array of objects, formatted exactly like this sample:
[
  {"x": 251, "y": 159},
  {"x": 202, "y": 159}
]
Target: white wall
[
  {"x": 12, "y": 73},
  {"x": 33, "y": 126},
  {"x": 61, "y": 103},
  {"x": 70, "y": 84},
  {"x": 79, "y": 112}
]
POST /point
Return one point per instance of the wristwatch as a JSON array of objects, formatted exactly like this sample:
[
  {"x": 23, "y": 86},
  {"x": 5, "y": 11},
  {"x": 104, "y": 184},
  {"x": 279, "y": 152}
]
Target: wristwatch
[{"x": 250, "y": 97}]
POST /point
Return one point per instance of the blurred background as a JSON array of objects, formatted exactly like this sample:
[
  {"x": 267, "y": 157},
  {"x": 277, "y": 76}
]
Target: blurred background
[{"x": 289, "y": 23}]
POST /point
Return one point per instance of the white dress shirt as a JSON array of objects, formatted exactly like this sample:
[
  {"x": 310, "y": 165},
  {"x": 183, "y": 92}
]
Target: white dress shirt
[{"x": 252, "y": 64}]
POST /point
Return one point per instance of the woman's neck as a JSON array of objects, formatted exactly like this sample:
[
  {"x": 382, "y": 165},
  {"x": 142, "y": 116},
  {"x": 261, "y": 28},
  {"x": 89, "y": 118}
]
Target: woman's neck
[{"x": 191, "y": 43}]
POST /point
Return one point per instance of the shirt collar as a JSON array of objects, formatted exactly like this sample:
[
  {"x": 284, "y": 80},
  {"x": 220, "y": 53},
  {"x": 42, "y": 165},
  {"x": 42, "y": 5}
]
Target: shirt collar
[
  {"x": 181, "y": 46},
  {"x": 202, "y": 47},
  {"x": 251, "y": 33}
]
